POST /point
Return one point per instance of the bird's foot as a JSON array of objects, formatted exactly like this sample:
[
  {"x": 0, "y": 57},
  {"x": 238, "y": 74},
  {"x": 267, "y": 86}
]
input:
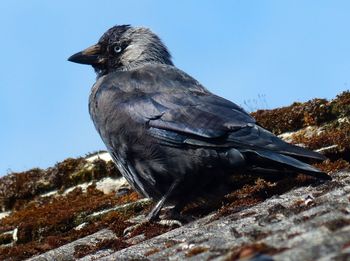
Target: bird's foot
[
  {"x": 138, "y": 222},
  {"x": 128, "y": 231},
  {"x": 175, "y": 214}
]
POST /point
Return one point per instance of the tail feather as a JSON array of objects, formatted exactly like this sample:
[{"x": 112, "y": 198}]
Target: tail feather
[
  {"x": 293, "y": 150},
  {"x": 291, "y": 163}
]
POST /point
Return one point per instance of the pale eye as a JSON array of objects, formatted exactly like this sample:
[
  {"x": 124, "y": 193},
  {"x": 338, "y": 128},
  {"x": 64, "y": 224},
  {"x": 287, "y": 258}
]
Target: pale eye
[{"x": 117, "y": 49}]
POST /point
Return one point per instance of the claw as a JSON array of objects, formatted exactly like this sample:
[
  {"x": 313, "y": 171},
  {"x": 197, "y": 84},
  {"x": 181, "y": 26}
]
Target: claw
[
  {"x": 127, "y": 232},
  {"x": 141, "y": 220},
  {"x": 170, "y": 222}
]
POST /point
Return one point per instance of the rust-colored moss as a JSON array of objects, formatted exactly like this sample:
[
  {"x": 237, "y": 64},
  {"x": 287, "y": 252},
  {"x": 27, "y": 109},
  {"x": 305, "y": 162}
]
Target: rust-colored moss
[
  {"x": 338, "y": 136},
  {"x": 196, "y": 251},
  {"x": 254, "y": 193},
  {"x": 337, "y": 224},
  {"x": 332, "y": 166},
  {"x": 170, "y": 243},
  {"x": 346, "y": 245},
  {"x": 20, "y": 253},
  {"x": 5, "y": 238},
  {"x": 248, "y": 251},
  {"x": 17, "y": 189},
  {"x": 299, "y": 115},
  {"x": 341, "y": 105},
  {"x": 150, "y": 229},
  {"x": 114, "y": 244},
  {"x": 52, "y": 224},
  {"x": 19, "y": 186},
  {"x": 129, "y": 197},
  {"x": 152, "y": 251},
  {"x": 295, "y": 117}
]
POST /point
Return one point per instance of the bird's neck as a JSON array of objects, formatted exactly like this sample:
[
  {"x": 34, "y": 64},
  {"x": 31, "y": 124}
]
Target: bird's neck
[
  {"x": 141, "y": 63},
  {"x": 132, "y": 66}
]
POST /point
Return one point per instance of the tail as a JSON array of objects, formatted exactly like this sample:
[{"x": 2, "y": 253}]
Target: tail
[{"x": 274, "y": 160}]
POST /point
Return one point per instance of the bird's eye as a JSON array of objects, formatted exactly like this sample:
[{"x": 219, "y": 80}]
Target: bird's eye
[{"x": 117, "y": 49}]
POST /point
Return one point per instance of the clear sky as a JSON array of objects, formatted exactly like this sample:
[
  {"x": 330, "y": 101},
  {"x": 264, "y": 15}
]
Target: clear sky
[{"x": 263, "y": 53}]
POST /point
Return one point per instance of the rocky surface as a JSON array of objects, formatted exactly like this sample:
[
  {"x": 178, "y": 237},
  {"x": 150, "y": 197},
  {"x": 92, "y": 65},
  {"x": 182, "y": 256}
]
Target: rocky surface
[{"x": 79, "y": 209}]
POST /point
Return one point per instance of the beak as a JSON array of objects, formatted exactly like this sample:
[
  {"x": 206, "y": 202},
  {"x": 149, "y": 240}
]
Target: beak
[{"x": 91, "y": 55}]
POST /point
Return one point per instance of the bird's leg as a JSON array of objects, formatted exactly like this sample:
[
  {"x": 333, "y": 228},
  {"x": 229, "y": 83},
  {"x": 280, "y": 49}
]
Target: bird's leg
[
  {"x": 174, "y": 216},
  {"x": 154, "y": 214}
]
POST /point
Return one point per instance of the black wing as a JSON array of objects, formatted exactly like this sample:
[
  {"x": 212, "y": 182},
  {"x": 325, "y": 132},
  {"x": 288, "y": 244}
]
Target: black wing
[{"x": 179, "y": 111}]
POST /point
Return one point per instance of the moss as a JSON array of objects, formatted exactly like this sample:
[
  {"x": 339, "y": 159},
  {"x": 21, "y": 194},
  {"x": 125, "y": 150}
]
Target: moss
[
  {"x": 150, "y": 230},
  {"x": 20, "y": 253},
  {"x": 170, "y": 243},
  {"x": 196, "y": 251},
  {"x": 114, "y": 244},
  {"x": 152, "y": 251},
  {"x": 346, "y": 245},
  {"x": 256, "y": 192},
  {"x": 332, "y": 166},
  {"x": 337, "y": 224},
  {"x": 299, "y": 115},
  {"x": 296, "y": 116},
  {"x": 328, "y": 137},
  {"x": 94, "y": 171},
  {"x": 52, "y": 224},
  {"x": 248, "y": 251},
  {"x": 317, "y": 112},
  {"x": 339, "y": 137},
  {"x": 5, "y": 238},
  {"x": 341, "y": 105},
  {"x": 17, "y": 189},
  {"x": 20, "y": 186}
]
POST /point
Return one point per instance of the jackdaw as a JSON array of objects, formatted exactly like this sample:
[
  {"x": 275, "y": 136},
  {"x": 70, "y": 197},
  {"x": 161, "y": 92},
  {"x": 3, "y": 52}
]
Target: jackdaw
[{"x": 168, "y": 135}]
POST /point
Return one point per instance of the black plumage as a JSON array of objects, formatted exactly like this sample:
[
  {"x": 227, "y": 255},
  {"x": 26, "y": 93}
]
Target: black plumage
[{"x": 168, "y": 135}]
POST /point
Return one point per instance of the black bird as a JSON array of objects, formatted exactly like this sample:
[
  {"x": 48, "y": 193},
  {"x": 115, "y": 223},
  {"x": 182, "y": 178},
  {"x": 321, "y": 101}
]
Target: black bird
[{"x": 168, "y": 135}]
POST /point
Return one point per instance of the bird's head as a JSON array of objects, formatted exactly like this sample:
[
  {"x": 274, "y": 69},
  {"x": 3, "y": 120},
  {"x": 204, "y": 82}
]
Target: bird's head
[{"x": 123, "y": 47}]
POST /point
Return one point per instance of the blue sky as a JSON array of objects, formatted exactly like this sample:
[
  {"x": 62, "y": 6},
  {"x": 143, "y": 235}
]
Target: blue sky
[{"x": 282, "y": 51}]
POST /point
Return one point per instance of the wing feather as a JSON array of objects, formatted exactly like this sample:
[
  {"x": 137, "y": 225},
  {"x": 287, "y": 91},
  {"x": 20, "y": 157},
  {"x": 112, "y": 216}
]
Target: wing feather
[{"x": 179, "y": 111}]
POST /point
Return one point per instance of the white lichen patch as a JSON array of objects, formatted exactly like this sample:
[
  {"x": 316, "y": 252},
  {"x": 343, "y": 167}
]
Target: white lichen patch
[
  {"x": 121, "y": 207},
  {"x": 327, "y": 148},
  {"x": 307, "y": 132},
  {"x": 49, "y": 194},
  {"x": 344, "y": 120},
  {"x": 4, "y": 214},
  {"x": 108, "y": 184},
  {"x": 105, "y": 156},
  {"x": 79, "y": 227},
  {"x": 287, "y": 136},
  {"x": 101, "y": 155},
  {"x": 14, "y": 234},
  {"x": 83, "y": 187}
]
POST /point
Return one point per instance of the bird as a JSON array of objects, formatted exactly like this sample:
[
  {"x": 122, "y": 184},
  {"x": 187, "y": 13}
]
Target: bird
[{"x": 168, "y": 135}]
